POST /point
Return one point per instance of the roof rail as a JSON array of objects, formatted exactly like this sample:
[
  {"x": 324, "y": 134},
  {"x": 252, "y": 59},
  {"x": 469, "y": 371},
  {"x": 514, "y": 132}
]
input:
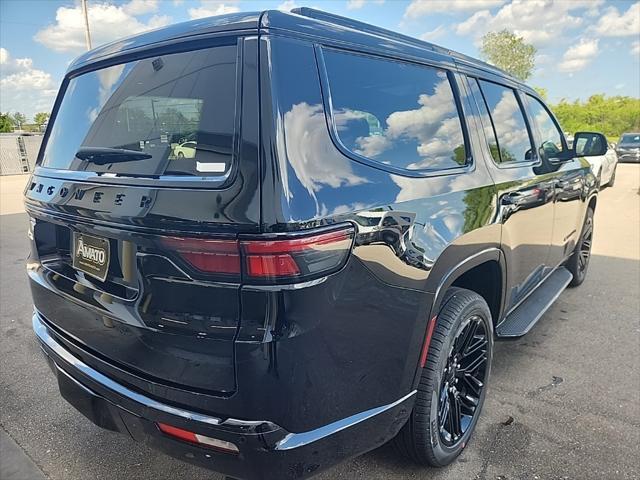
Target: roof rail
[
  {"x": 367, "y": 27},
  {"x": 363, "y": 27}
]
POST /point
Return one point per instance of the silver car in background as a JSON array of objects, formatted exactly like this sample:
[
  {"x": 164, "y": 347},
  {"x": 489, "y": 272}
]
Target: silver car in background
[{"x": 628, "y": 148}]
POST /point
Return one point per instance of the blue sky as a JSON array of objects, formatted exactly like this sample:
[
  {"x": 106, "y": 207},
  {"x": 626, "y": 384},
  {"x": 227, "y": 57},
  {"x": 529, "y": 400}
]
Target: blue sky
[{"x": 584, "y": 46}]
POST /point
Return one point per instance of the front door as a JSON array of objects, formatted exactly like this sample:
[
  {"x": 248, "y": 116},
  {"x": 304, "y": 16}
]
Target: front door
[
  {"x": 525, "y": 194},
  {"x": 568, "y": 178}
]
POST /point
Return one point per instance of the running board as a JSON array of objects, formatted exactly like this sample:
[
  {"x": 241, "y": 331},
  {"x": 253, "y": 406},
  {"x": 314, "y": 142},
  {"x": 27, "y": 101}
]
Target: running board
[{"x": 527, "y": 314}]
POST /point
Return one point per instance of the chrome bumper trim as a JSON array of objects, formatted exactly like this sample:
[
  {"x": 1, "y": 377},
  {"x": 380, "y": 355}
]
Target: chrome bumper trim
[
  {"x": 290, "y": 440},
  {"x": 43, "y": 335},
  {"x": 295, "y": 440}
]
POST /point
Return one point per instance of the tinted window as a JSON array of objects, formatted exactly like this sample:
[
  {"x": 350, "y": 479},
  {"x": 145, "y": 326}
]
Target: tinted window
[
  {"x": 395, "y": 113},
  {"x": 508, "y": 121},
  {"x": 155, "y": 110},
  {"x": 485, "y": 119},
  {"x": 550, "y": 135}
]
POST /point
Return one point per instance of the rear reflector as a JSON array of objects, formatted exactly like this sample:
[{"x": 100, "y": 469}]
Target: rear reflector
[
  {"x": 278, "y": 259},
  {"x": 187, "y": 436},
  {"x": 427, "y": 341}
]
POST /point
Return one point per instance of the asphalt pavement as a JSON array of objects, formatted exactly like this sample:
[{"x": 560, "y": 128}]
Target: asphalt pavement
[{"x": 563, "y": 401}]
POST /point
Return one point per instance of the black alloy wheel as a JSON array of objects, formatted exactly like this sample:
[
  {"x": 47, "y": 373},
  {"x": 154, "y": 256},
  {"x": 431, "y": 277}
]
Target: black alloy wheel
[
  {"x": 578, "y": 263},
  {"x": 452, "y": 384},
  {"x": 585, "y": 245},
  {"x": 463, "y": 381}
]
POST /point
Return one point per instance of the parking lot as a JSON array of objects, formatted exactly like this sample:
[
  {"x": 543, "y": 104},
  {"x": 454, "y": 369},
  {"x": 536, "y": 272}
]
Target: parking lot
[{"x": 563, "y": 402}]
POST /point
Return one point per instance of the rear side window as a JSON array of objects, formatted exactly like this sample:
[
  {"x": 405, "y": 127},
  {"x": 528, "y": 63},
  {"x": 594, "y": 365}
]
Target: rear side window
[
  {"x": 171, "y": 115},
  {"x": 395, "y": 113},
  {"x": 513, "y": 142},
  {"x": 485, "y": 120},
  {"x": 551, "y": 139}
]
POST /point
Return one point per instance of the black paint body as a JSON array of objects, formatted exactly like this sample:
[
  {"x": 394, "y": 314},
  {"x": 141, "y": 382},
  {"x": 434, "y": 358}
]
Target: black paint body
[{"x": 299, "y": 358}]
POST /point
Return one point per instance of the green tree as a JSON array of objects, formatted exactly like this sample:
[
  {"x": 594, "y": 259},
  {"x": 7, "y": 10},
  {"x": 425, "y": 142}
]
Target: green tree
[
  {"x": 19, "y": 119},
  {"x": 41, "y": 118},
  {"x": 509, "y": 52},
  {"x": 609, "y": 115},
  {"x": 6, "y": 123},
  {"x": 544, "y": 94}
]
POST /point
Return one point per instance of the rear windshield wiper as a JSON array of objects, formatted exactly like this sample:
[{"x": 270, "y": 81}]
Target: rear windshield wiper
[{"x": 104, "y": 155}]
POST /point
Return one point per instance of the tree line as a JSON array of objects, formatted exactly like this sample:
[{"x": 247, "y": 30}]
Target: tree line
[
  {"x": 19, "y": 121},
  {"x": 611, "y": 116}
]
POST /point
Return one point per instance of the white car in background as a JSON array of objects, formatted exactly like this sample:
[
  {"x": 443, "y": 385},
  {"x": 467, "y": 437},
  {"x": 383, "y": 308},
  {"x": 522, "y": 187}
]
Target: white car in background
[
  {"x": 185, "y": 150},
  {"x": 603, "y": 166}
]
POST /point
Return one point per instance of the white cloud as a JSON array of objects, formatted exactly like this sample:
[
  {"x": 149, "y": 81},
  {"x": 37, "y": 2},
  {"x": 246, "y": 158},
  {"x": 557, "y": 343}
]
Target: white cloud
[
  {"x": 635, "y": 48},
  {"x": 434, "y": 127},
  {"x": 288, "y": 5},
  {"x": 307, "y": 140},
  {"x": 107, "y": 23},
  {"x": 579, "y": 56},
  {"x": 140, "y": 7},
  {"x": 357, "y": 4},
  {"x": 434, "y": 34},
  {"x": 537, "y": 21},
  {"x": 616, "y": 24},
  {"x": 211, "y": 8},
  {"x": 24, "y": 88},
  {"x": 420, "y": 8}
]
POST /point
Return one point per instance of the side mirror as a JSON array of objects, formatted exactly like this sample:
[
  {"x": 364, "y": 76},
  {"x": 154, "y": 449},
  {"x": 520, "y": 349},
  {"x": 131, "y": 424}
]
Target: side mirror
[{"x": 589, "y": 144}]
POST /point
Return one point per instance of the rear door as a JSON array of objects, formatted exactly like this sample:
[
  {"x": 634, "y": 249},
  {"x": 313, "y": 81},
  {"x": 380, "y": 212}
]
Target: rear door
[{"x": 134, "y": 264}]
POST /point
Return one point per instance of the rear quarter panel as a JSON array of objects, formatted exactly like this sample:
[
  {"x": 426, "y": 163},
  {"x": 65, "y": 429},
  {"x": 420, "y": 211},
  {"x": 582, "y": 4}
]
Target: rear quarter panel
[{"x": 352, "y": 340}]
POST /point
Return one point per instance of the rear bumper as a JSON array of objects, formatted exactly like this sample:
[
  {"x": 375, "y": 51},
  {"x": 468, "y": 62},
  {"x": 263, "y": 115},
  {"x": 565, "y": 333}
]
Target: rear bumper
[{"x": 266, "y": 451}]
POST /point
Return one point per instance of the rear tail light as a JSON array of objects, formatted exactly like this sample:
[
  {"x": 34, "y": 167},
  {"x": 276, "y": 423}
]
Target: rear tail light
[
  {"x": 196, "y": 438},
  {"x": 297, "y": 258},
  {"x": 211, "y": 256},
  {"x": 279, "y": 259}
]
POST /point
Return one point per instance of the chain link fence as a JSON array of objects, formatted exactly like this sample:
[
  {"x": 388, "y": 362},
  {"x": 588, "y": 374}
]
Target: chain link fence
[{"x": 18, "y": 152}]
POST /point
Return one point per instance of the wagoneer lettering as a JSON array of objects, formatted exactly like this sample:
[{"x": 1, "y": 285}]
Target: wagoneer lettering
[{"x": 301, "y": 239}]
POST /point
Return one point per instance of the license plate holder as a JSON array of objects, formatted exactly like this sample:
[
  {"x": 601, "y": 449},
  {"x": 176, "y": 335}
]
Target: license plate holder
[{"x": 91, "y": 255}]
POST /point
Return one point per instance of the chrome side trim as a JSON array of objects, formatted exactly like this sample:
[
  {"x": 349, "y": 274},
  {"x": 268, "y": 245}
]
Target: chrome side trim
[{"x": 295, "y": 440}]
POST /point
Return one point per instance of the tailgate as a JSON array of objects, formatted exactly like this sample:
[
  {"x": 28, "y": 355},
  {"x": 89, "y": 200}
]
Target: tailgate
[
  {"x": 138, "y": 156},
  {"x": 150, "y": 313}
]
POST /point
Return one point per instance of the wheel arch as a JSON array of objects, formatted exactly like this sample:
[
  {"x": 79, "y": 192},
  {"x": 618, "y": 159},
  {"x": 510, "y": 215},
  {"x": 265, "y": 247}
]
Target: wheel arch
[
  {"x": 469, "y": 273},
  {"x": 465, "y": 274}
]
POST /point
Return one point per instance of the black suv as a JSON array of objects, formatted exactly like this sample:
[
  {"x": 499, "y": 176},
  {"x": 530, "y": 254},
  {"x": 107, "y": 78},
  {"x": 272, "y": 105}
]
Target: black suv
[{"x": 264, "y": 243}]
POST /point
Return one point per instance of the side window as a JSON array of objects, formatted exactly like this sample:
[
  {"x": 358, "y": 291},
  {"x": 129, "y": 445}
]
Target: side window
[
  {"x": 485, "y": 119},
  {"x": 551, "y": 144},
  {"x": 395, "y": 113},
  {"x": 513, "y": 142}
]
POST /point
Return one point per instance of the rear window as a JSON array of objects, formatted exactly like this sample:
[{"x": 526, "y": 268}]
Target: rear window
[
  {"x": 170, "y": 115},
  {"x": 396, "y": 113}
]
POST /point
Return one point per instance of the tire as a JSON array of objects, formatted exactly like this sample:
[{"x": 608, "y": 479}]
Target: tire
[
  {"x": 422, "y": 438},
  {"x": 612, "y": 180},
  {"x": 575, "y": 265},
  {"x": 180, "y": 155}
]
